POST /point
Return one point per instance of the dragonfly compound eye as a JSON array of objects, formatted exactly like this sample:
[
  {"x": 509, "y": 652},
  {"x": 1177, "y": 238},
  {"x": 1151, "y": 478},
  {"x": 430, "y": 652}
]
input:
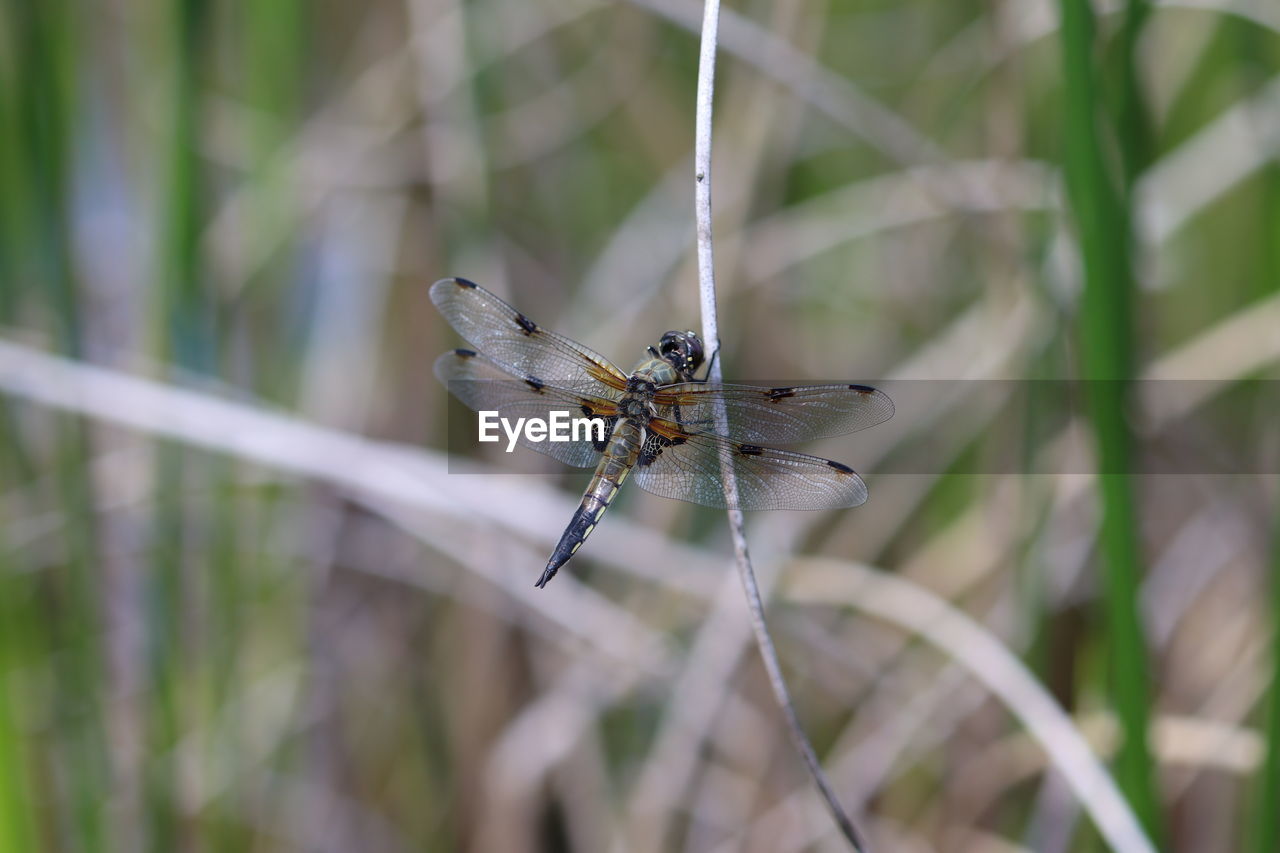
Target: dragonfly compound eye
[{"x": 682, "y": 349}]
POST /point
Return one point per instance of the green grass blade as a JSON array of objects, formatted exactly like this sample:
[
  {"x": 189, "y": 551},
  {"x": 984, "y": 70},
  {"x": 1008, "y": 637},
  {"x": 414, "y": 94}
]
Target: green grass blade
[
  {"x": 1103, "y": 226},
  {"x": 1268, "y": 813},
  {"x": 16, "y": 821}
]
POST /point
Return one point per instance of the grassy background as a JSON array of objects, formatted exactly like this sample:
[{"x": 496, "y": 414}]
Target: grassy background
[{"x": 200, "y": 652}]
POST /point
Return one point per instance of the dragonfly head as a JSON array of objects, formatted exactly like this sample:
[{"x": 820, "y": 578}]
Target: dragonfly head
[{"x": 683, "y": 350}]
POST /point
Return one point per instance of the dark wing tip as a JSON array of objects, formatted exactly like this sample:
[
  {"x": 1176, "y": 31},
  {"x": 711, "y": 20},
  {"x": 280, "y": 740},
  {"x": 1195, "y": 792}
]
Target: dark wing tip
[
  {"x": 875, "y": 392},
  {"x": 842, "y": 468},
  {"x": 464, "y": 353},
  {"x": 438, "y": 289}
]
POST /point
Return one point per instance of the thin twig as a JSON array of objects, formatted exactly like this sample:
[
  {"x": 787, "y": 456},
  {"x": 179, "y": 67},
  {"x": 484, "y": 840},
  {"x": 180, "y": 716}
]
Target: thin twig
[{"x": 711, "y": 336}]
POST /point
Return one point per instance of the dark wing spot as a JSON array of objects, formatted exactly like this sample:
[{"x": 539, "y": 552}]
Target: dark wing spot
[
  {"x": 465, "y": 353},
  {"x": 601, "y": 444},
  {"x": 776, "y": 394},
  {"x": 535, "y": 383},
  {"x": 678, "y": 440},
  {"x": 526, "y": 325},
  {"x": 588, "y": 411},
  {"x": 653, "y": 448},
  {"x": 462, "y": 282},
  {"x": 648, "y": 454},
  {"x": 865, "y": 389},
  {"x": 750, "y": 449},
  {"x": 843, "y": 469}
]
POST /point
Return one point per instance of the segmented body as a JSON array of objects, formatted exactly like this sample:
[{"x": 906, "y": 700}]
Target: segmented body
[{"x": 622, "y": 451}]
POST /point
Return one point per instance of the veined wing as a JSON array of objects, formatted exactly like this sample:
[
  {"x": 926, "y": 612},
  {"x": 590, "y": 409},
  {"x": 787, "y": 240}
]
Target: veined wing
[
  {"x": 775, "y": 415},
  {"x": 483, "y": 385},
  {"x": 512, "y": 340},
  {"x": 686, "y": 466}
]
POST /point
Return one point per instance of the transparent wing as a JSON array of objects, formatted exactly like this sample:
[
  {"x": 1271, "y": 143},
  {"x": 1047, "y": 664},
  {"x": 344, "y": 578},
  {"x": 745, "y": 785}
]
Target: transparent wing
[
  {"x": 687, "y": 467},
  {"x": 775, "y": 415},
  {"x": 512, "y": 340},
  {"x": 483, "y": 385}
]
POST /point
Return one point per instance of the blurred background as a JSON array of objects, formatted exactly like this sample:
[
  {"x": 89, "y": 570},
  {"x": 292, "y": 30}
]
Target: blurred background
[{"x": 246, "y": 605}]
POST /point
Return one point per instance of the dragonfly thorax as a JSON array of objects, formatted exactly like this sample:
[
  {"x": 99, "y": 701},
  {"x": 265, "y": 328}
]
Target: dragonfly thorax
[
  {"x": 634, "y": 407},
  {"x": 642, "y": 382}
]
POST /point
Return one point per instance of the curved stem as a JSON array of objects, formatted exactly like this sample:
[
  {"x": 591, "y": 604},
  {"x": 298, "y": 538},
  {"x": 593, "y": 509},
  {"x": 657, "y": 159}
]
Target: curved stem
[{"x": 711, "y": 336}]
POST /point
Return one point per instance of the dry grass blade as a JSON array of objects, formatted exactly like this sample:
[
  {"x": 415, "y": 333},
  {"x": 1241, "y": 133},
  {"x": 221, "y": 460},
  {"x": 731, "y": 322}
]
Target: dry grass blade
[
  {"x": 835, "y": 96},
  {"x": 991, "y": 663}
]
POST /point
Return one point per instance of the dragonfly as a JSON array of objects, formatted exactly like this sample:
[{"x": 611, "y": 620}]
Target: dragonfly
[{"x": 673, "y": 430}]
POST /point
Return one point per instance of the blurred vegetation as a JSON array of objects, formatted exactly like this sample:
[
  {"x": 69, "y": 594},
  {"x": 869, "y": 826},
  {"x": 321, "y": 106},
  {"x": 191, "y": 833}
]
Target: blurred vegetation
[{"x": 203, "y": 652}]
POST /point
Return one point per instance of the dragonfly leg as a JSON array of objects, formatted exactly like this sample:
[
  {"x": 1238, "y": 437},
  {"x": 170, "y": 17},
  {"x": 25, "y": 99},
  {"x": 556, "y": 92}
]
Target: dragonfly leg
[{"x": 710, "y": 362}]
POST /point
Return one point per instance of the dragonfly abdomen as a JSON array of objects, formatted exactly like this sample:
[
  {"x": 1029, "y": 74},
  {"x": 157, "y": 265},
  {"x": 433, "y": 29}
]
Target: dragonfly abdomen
[{"x": 619, "y": 456}]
